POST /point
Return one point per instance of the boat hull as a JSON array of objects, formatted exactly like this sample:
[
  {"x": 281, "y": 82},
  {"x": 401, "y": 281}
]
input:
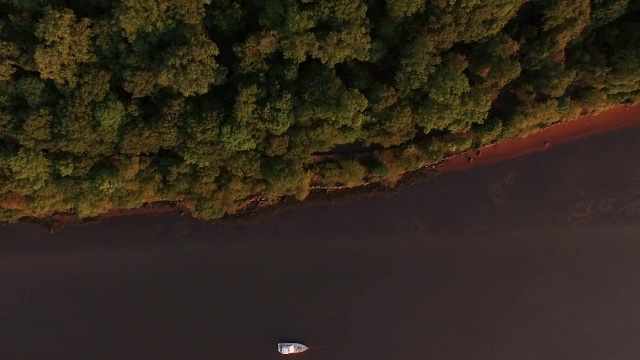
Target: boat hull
[{"x": 291, "y": 348}]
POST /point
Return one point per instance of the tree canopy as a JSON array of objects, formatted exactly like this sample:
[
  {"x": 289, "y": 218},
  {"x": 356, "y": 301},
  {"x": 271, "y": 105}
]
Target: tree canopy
[{"x": 112, "y": 104}]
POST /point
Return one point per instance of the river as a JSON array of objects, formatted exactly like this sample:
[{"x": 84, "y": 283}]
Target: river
[{"x": 537, "y": 257}]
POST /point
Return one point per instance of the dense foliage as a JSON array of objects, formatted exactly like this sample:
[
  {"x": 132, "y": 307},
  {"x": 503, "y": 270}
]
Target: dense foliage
[{"x": 114, "y": 103}]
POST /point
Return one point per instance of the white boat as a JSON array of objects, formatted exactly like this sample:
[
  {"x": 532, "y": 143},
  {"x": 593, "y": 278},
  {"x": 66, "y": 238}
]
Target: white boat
[{"x": 291, "y": 348}]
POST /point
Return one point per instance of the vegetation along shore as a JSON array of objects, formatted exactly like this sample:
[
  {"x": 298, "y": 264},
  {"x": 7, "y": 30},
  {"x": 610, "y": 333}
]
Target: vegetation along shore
[{"x": 209, "y": 105}]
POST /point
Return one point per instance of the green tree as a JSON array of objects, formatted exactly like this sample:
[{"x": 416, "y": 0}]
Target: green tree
[
  {"x": 141, "y": 17},
  {"x": 285, "y": 178},
  {"x": 66, "y": 44},
  {"x": 403, "y": 8},
  {"x": 330, "y": 31},
  {"x": 31, "y": 169},
  {"x": 166, "y": 47},
  {"x": 625, "y": 74},
  {"x": 606, "y": 11},
  {"x": 36, "y": 132},
  {"x": 494, "y": 62},
  {"x": 8, "y": 52},
  {"x": 191, "y": 69},
  {"x": 452, "y": 103}
]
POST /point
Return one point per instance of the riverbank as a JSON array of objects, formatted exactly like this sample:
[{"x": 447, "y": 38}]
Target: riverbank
[{"x": 618, "y": 117}]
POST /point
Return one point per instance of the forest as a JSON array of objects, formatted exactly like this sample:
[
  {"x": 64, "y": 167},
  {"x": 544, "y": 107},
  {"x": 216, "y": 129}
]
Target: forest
[{"x": 111, "y": 104}]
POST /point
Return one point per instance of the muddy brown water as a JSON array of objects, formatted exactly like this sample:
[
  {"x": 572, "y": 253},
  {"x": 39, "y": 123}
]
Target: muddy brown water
[{"x": 536, "y": 257}]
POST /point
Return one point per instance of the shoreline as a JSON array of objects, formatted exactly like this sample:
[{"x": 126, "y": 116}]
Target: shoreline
[{"x": 614, "y": 118}]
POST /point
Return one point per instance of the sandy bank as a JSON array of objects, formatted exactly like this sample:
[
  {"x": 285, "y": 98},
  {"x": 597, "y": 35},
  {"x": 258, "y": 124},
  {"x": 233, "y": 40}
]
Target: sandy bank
[{"x": 617, "y": 117}]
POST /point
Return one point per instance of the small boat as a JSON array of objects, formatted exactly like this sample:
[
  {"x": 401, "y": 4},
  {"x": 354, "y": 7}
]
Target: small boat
[{"x": 291, "y": 348}]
